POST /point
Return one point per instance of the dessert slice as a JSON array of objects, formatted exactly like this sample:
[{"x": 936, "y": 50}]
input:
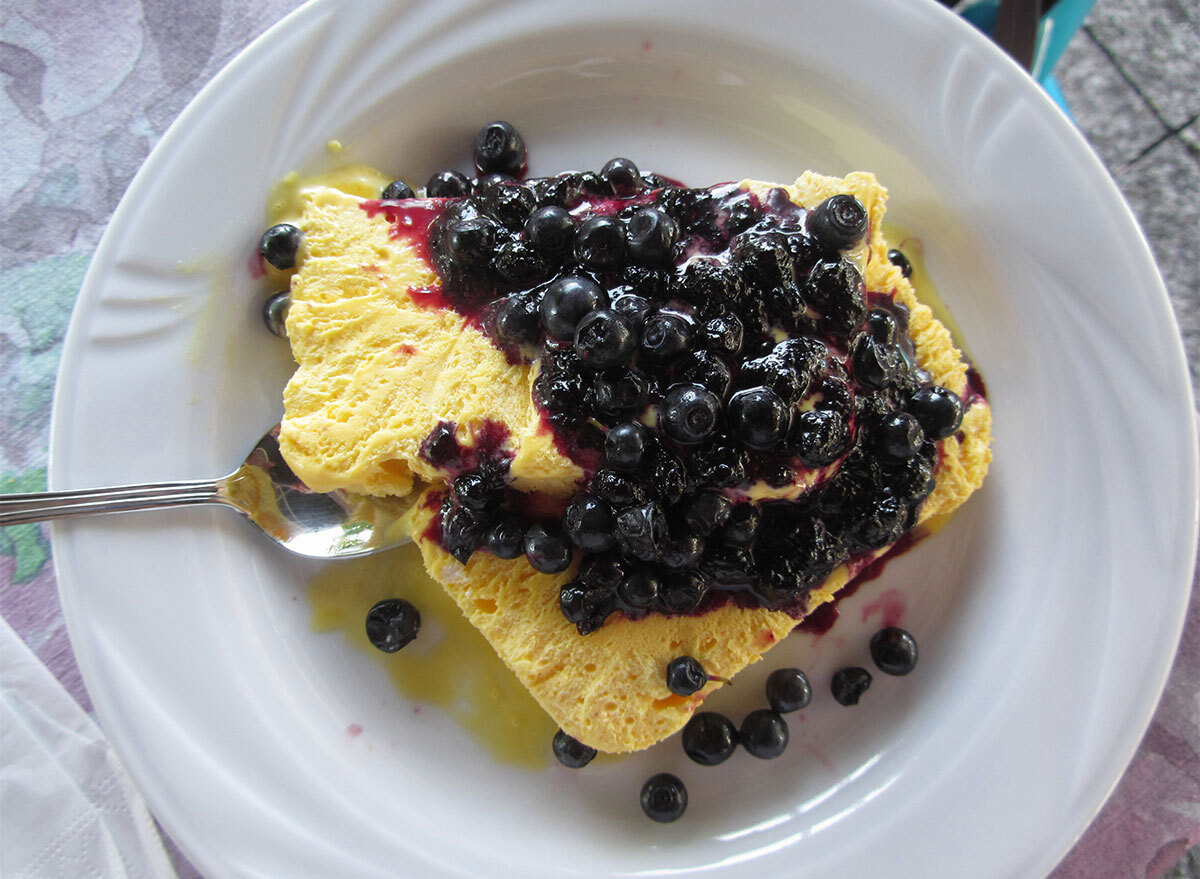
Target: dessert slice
[{"x": 649, "y": 421}]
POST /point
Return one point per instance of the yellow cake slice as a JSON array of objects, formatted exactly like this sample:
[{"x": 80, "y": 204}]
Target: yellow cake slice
[{"x": 379, "y": 370}]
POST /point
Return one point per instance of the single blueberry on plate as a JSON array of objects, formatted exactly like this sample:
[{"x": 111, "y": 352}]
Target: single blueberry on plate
[
  {"x": 623, "y": 176},
  {"x": 550, "y": 230},
  {"x": 448, "y": 184},
  {"x": 709, "y": 738},
  {"x": 664, "y": 798},
  {"x": 652, "y": 235},
  {"x": 764, "y": 734},
  {"x": 839, "y": 222},
  {"x": 900, "y": 261},
  {"x": 588, "y": 523},
  {"x": 548, "y": 552},
  {"x": 759, "y": 418},
  {"x": 565, "y": 302},
  {"x": 625, "y": 446},
  {"x": 279, "y": 245},
  {"x": 939, "y": 411},
  {"x": 685, "y": 676},
  {"x": 600, "y": 242},
  {"x": 604, "y": 339},
  {"x": 849, "y": 684},
  {"x": 397, "y": 189},
  {"x": 469, "y": 242},
  {"x": 894, "y": 651},
  {"x": 471, "y": 490},
  {"x": 665, "y": 336},
  {"x": 571, "y": 752},
  {"x": 788, "y": 690},
  {"x": 275, "y": 313},
  {"x": 690, "y": 413},
  {"x": 392, "y": 623},
  {"x": 505, "y": 537},
  {"x": 499, "y": 149}
]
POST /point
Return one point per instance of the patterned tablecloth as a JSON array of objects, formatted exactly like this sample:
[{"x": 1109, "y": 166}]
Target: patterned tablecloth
[{"x": 87, "y": 89}]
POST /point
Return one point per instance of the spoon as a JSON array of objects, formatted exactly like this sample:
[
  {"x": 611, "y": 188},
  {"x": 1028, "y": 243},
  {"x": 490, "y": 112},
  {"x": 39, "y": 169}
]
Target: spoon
[{"x": 336, "y": 524}]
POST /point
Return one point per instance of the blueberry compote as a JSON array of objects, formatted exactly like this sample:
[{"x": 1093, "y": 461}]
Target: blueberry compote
[{"x": 747, "y": 414}]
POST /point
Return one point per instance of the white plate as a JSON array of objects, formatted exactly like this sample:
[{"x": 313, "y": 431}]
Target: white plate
[{"x": 1047, "y": 613}]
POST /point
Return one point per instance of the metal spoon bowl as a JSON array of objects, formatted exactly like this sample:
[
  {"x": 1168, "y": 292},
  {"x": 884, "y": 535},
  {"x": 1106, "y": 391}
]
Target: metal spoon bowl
[{"x": 329, "y": 525}]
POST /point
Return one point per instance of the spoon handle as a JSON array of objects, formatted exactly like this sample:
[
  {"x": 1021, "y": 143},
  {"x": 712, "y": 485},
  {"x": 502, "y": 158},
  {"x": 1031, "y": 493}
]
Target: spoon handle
[{"x": 19, "y": 509}]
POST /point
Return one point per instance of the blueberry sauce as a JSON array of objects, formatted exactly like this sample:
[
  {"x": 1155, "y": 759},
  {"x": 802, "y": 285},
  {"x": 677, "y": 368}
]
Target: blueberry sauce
[{"x": 736, "y": 331}]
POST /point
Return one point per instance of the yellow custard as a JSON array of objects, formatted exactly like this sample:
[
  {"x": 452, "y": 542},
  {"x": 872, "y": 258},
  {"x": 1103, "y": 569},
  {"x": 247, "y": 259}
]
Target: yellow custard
[{"x": 449, "y": 665}]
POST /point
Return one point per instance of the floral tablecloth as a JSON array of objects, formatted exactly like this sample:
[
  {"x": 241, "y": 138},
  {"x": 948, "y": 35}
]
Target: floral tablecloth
[{"x": 87, "y": 89}]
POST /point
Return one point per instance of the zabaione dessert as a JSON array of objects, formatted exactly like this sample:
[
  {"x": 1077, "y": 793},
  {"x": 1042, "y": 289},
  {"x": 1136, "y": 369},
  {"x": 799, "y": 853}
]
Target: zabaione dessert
[{"x": 652, "y": 428}]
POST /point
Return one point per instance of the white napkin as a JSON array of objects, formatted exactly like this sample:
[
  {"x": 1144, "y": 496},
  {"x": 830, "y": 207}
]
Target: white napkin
[{"x": 68, "y": 810}]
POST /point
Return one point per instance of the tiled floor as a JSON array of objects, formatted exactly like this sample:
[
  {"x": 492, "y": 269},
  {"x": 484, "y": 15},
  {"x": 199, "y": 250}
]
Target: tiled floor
[{"x": 1132, "y": 79}]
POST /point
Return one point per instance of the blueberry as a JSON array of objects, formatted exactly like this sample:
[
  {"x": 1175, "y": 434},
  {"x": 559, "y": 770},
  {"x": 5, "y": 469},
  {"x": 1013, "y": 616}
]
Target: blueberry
[
  {"x": 899, "y": 435},
  {"x": 788, "y": 690},
  {"x": 623, "y": 393},
  {"x": 723, "y": 335},
  {"x": 392, "y": 623},
  {"x": 639, "y": 588},
  {"x": 550, "y": 230},
  {"x": 720, "y": 464},
  {"x": 617, "y": 488},
  {"x": 706, "y": 512},
  {"x": 623, "y": 176},
  {"x": 898, "y": 259},
  {"x": 668, "y": 477},
  {"x": 819, "y": 437},
  {"x": 571, "y": 752},
  {"x": 849, "y": 684},
  {"x": 911, "y": 482},
  {"x": 505, "y": 537},
  {"x": 835, "y": 290},
  {"x": 516, "y": 261},
  {"x": 728, "y": 568},
  {"x": 664, "y": 798},
  {"x": 462, "y": 531},
  {"x": 683, "y": 591},
  {"x": 839, "y": 222},
  {"x": 275, "y": 313},
  {"x": 759, "y": 418},
  {"x": 881, "y": 524},
  {"x": 690, "y": 413},
  {"x": 938, "y": 410},
  {"x": 397, "y": 190},
  {"x": 472, "y": 491},
  {"x": 570, "y": 602},
  {"x": 625, "y": 445},
  {"x": 881, "y": 324},
  {"x": 517, "y": 320},
  {"x": 764, "y": 734},
  {"x": 652, "y": 235},
  {"x": 633, "y": 308},
  {"x": 894, "y": 651},
  {"x": 510, "y": 203},
  {"x": 604, "y": 339},
  {"x": 487, "y": 181},
  {"x": 469, "y": 242},
  {"x": 875, "y": 364},
  {"x": 279, "y": 245},
  {"x": 685, "y": 676},
  {"x": 547, "y": 551},
  {"x": 499, "y": 149},
  {"x": 600, "y": 242},
  {"x": 710, "y": 738},
  {"x": 448, "y": 184},
  {"x": 641, "y": 531},
  {"x": 704, "y": 368},
  {"x": 741, "y": 529},
  {"x": 683, "y": 552},
  {"x": 588, "y": 523},
  {"x": 564, "y": 304},
  {"x": 665, "y": 336},
  {"x": 777, "y": 373},
  {"x": 603, "y": 571}
]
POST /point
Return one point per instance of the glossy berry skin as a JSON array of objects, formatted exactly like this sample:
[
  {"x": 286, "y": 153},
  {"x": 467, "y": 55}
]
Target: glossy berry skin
[
  {"x": 938, "y": 410},
  {"x": 641, "y": 531},
  {"x": 820, "y": 437},
  {"x": 623, "y": 176},
  {"x": 664, "y": 798},
  {"x": 392, "y": 623},
  {"x": 499, "y": 149},
  {"x": 764, "y": 734},
  {"x": 882, "y": 326},
  {"x": 839, "y": 222},
  {"x": 604, "y": 339},
  {"x": 640, "y": 588},
  {"x": 564, "y": 304},
  {"x": 710, "y": 738},
  {"x": 275, "y": 313},
  {"x": 759, "y": 418},
  {"x": 788, "y": 690},
  {"x": 505, "y": 538},
  {"x": 518, "y": 320},
  {"x": 899, "y": 435},
  {"x": 550, "y": 231},
  {"x": 742, "y": 527},
  {"x": 600, "y": 242},
  {"x": 690, "y": 413},
  {"x": 664, "y": 337},
  {"x": 894, "y": 651},
  {"x": 633, "y": 308},
  {"x": 706, "y": 512},
  {"x": 651, "y": 236},
  {"x": 625, "y": 446},
  {"x": 588, "y": 523},
  {"x": 571, "y": 752},
  {"x": 448, "y": 184},
  {"x": 547, "y": 551},
  {"x": 683, "y": 552},
  {"x": 685, "y": 676},
  {"x": 397, "y": 189},
  {"x": 849, "y": 684},
  {"x": 279, "y": 245},
  {"x": 900, "y": 261},
  {"x": 469, "y": 242},
  {"x": 683, "y": 590},
  {"x": 723, "y": 335}
]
